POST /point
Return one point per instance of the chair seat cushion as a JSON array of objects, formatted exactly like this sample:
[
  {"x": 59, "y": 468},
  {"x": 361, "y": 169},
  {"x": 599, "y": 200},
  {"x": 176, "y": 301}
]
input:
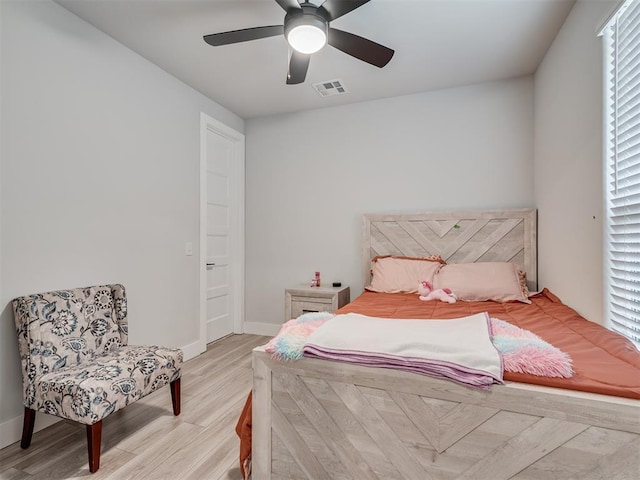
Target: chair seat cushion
[{"x": 90, "y": 391}]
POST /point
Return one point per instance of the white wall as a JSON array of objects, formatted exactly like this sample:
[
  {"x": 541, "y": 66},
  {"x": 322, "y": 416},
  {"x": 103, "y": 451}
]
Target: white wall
[
  {"x": 100, "y": 159},
  {"x": 310, "y": 176},
  {"x": 568, "y": 161}
]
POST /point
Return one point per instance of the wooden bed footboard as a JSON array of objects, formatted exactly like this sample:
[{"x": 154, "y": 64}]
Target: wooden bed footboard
[{"x": 317, "y": 419}]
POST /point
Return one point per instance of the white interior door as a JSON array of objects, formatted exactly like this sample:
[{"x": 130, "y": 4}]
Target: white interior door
[{"x": 222, "y": 251}]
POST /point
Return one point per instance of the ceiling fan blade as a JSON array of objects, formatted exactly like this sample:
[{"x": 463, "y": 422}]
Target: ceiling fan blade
[
  {"x": 298, "y": 66},
  {"x": 244, "y": 35},
  {"x": 359, "y": 47},
  {"x": 337, "y": 8},
  {"x": 288, "y": 4}
]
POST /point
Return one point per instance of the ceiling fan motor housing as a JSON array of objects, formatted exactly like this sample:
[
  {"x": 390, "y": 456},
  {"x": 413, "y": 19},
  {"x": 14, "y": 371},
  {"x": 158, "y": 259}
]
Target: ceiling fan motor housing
[{"x": 306, "y": 15}]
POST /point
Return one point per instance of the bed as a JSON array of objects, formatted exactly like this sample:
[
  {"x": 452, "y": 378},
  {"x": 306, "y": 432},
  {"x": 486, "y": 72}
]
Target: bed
[{"x": 320, "y": 419}]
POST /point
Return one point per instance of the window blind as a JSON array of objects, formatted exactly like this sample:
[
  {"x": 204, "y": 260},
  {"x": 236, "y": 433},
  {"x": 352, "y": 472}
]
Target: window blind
[{"x": 622, "y": 84}]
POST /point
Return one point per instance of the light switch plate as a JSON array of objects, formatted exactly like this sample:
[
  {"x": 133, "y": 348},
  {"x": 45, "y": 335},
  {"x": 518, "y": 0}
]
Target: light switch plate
[{"x": 188, "y": 249}]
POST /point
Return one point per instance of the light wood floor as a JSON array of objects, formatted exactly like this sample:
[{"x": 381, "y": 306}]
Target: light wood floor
[{"x": 145, "y": 440}]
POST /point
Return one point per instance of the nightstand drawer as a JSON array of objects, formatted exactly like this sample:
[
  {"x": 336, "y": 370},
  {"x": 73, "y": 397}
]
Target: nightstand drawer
[
  {"x": 306, "y": 299},
  {"x": 300, "y": 307},
  {"x": 296, "y": 298}
]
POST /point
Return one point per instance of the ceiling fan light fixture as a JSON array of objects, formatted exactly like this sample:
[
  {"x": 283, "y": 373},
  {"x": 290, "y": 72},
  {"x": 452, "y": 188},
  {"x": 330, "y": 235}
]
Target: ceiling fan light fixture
[
  {"x": 306, "y": 32},
  {"x": 307, "y": 38}
]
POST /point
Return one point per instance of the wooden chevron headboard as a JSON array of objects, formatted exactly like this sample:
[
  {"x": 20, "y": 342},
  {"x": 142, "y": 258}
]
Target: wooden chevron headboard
[{"x": 458, "y": 237}]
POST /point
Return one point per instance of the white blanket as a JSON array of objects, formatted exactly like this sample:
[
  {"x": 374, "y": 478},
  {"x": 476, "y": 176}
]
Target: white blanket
[{"x": 457, "y": 349}]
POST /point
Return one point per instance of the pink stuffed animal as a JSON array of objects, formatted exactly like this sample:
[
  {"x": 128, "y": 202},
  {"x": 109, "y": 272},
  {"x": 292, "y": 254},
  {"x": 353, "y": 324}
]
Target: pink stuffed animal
[{"x": 426, "y": 291}]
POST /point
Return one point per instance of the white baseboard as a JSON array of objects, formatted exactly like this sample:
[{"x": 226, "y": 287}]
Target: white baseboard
[
  {"x": 11, "y": 430},
  {"x": 193, "y": 350},
  {"x": 266, "y": 329}
]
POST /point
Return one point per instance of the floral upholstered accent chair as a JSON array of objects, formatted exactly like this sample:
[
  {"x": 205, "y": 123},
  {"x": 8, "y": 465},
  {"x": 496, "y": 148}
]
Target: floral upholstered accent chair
[{"x": 76, "y": 363}]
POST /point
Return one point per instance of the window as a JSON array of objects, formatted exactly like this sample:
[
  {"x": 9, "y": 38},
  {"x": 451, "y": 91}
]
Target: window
[{"x": 622, "y": 173}]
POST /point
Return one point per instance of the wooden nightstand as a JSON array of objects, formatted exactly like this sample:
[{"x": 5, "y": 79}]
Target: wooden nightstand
[{"x": 303, "y": 299}]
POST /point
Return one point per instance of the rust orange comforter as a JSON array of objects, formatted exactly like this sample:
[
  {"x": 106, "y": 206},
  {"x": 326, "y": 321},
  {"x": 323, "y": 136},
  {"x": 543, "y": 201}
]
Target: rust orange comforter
[{"x": 604, "y": 362}]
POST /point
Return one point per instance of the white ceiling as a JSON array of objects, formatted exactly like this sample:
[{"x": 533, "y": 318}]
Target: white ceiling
[{"x": 438, "y": 44}]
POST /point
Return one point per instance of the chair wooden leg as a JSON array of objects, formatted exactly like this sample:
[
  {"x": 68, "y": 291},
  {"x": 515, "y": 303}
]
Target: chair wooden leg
[
  {"x": 175, "y": 396},
  {"x": 94, "y": 436},
  {"x": 27, "y": 427}
]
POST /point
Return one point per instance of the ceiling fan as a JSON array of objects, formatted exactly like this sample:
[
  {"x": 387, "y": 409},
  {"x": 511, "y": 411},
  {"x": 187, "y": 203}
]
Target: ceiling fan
[{"x": 306, "y": 28}]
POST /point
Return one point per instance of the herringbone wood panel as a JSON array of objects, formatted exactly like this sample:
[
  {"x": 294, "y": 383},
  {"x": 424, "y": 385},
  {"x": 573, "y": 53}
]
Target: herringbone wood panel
[
  {"x": 145, "y": 441},
  {"x": 470, "y": 241},
  {"x": 323, "y": 426}
]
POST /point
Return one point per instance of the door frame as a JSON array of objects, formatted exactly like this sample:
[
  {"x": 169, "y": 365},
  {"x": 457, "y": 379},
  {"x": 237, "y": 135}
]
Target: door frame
[{"x": 236, "y": 230}]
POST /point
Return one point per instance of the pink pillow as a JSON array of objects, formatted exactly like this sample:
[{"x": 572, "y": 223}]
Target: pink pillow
[
  {"x": 479, "y": 282},
  {"x": 402, "y": 274}
]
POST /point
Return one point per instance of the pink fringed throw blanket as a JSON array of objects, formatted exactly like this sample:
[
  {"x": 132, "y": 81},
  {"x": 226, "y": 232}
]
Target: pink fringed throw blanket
[
  {"x": 525, "y": 352},
  {"x": 522, "y": 351}
]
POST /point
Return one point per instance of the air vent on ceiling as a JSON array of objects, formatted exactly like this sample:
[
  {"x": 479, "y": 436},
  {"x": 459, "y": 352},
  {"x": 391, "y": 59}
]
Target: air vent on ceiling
[{"x": 330, "y": 88}]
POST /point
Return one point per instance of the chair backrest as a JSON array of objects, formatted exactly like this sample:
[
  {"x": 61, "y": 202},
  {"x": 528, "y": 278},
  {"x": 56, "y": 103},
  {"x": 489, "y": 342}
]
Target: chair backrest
[{"x": 68, "y": 327}]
